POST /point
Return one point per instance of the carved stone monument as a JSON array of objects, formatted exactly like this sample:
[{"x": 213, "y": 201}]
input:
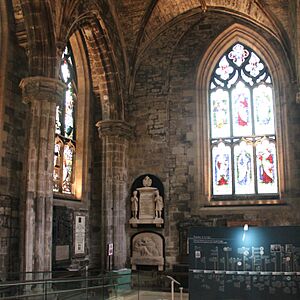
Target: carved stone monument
[
  {"x": 147, "y": 209},
  {"x": 147, "y": 249}
]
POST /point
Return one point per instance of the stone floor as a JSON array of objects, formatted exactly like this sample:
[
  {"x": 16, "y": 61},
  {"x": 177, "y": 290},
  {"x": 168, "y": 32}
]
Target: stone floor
[{"x": 150, "y": 295}]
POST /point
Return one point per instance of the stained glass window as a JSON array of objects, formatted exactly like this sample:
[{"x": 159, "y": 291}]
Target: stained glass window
[
  {"x": 65, "y": 134},
  {"x": 242, "y": 127}
]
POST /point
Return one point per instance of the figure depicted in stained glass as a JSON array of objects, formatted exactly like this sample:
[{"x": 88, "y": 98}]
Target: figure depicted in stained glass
[
  {"x": 264, "y": 116},
  {"x": 243, "y": 110},
  {"x": 68, "y": 168},
  {"x": 222, "y": 169},
  {"x": 69, "y": 110},
  {"x": 57, "y": 163},
  {"x": 220, "y": 111},
  {"x": 244, "y": 168},
  {"x": 266, "y": 165},
  {"x": 220, "y": 114},
  {"x": 57, "y": 155}
]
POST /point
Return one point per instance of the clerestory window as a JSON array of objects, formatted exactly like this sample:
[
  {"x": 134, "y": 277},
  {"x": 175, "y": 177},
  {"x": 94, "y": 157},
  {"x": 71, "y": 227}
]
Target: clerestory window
[
  {"x": 242, "y": 127},
  {"x": 65, "y": 133}
]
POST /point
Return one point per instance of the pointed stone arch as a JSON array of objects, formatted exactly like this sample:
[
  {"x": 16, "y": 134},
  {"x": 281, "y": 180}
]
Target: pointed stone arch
[
  {"x": 104, "y": 75},
  {"x": 166, "y": 11}
]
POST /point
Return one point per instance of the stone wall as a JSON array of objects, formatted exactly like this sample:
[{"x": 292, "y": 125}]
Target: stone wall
[
  {"x": 155, "y": 61},
  {"x": 9, "y": 235},
  {"x": 12, "y": 160},
  {"x": 163, "y": 112}
]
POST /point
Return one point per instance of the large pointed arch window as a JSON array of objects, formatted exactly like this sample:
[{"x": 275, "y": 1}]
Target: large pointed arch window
[
  {"x": 65, "y": 134},
  {"x": 242, "y": 127}
]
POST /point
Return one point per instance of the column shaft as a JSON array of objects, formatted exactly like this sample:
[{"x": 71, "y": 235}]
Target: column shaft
[
  {"x": 115, "y": 141},
  {"x": 41, "y": 94}
]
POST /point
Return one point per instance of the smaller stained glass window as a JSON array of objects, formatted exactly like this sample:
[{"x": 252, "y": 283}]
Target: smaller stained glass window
[{"x": 65, "y": 143}]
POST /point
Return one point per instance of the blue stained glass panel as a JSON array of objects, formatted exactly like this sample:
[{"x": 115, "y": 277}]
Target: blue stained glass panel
[
  {"x": 244, "y": 170},
  {"x": 241, "y": 109},
  {"x": 220, "y": 117},
  {"x": 266, "y": 167},
  {"x": 222, "y": 181},
  {"x": 263, "y": 110}
]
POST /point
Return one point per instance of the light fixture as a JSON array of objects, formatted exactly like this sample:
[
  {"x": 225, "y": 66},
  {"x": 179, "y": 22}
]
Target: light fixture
[{"x": 246, "y": 228}]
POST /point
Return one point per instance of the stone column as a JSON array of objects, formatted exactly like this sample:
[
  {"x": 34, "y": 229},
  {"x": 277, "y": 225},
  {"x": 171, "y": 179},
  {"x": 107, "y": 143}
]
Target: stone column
[
  {"x": 42, "y": 95},
  {"x": 115, "y": 141}
]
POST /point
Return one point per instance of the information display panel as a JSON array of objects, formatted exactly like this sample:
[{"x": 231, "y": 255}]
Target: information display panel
[{"x": 233, "y": 263}]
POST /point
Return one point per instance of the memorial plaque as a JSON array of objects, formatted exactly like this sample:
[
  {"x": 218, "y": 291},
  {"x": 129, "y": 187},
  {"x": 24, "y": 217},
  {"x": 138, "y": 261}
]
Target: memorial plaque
[
  {"x": 146, "y": 202},
  {"x": 79, "y": 234}
]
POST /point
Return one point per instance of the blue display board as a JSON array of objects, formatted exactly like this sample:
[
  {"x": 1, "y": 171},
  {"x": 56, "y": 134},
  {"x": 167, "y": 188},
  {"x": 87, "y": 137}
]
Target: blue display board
[{"x": 231, "y": 263}]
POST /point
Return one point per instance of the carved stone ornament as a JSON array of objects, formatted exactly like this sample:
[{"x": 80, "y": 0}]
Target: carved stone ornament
[
  {"x": 148, "y": 207},
  {"x": 147, "y": 249},
  {"x": 147, "y": 181},
  {"x": 117, "y": 128},
  {"x": 40, "y": 88}
]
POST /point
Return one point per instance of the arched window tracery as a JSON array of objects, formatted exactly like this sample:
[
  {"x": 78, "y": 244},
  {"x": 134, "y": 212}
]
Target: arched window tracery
[{"x": 243, "y": 147}]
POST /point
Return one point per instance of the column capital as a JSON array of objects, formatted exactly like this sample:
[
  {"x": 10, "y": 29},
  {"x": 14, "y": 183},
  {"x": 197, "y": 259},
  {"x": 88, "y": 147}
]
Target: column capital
[
  {"x": 42, "y": 89},
  {"x": 117, "y": 128}
]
